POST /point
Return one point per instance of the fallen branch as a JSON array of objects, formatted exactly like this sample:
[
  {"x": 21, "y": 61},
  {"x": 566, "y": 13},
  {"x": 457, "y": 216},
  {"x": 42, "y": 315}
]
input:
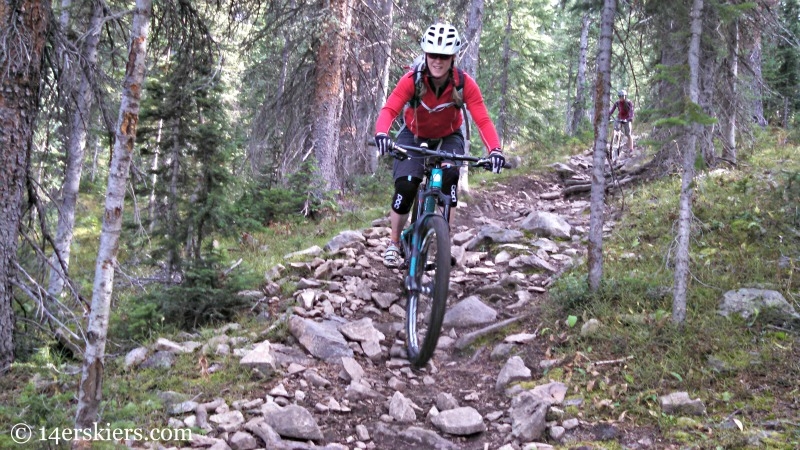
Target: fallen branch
[
  {"x": 612, "y": 361},
  {"x": 235, "y": 265},
  {"x": 467, "y": 339}
]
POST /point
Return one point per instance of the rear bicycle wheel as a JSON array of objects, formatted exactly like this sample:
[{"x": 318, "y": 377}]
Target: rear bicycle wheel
[{"x": 427, "y": 296}]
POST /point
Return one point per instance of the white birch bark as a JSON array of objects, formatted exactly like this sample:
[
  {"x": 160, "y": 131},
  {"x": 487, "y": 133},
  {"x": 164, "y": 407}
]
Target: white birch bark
[
  {"x": 506, "y": 57},
  {"x": 91, "y": 386},
  {"x": 602, "y": 105},
  {"x": 469, "y": 64},
  {"x": 578, "y": 110},
  {"x": 729, "y": 149},
  {"x": 681, "y": 276},
  {"x": 76, "y": 146}
]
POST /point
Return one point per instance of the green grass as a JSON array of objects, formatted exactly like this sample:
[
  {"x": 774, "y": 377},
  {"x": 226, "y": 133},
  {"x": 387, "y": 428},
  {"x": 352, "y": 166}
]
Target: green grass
[
  {"x": 745, "y": 233},
  {"x": 742, "y": 236}
]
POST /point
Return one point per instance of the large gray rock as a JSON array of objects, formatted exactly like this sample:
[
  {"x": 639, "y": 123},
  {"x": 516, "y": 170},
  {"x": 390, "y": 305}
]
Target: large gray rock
[
  {"x": 411, "y": 438},
  {"x": 343, "y": 239},
  {"x": 322, "y": 340},
  {"x": 531, "y": 261},
  {"x": 528, "y": 412},
  {"x": 513, "y": 370},
  {"x": 680, "y": 403},
  {"x": 468, "y": 312},
  {"x": 361, "y": 330},
  {"x": 494, "y": 234},
  {"x": 401, "y": 409},
  {"x": 425, "y": 439},
  {"x": 136, "y": 357},
  {"x": 260, "y": 358},
  {"x": 547, "y": 224},
  {"x": 292, "y": 421},
  {"x": 746, "y": 301},
  {"x": 243, "y": 441},
  {"x": 460, "y": 421},
  {"x": 228, "y": 421}
]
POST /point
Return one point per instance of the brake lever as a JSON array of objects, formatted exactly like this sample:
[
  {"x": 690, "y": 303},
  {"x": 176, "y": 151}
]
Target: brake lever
[
  {"x": 484, "y": 163},
  {"x": 398, "y": 154}
]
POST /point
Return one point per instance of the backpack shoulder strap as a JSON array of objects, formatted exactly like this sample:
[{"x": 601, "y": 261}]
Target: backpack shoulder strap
[
  {"x": 418, "y": 68},
  {"x": 459, "y": 84}
]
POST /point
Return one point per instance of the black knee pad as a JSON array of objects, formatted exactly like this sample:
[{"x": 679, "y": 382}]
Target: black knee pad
[
  {"x": 450, "y": 184},
  {"x": 405, "y": 190}
]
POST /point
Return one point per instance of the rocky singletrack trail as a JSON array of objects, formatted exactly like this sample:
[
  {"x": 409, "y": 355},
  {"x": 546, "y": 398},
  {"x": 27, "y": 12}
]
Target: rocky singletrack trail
[{"x": 339, "y": 379}]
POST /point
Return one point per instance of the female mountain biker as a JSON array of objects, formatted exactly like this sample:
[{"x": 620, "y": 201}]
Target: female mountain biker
[{"x": 434, "y": 113}]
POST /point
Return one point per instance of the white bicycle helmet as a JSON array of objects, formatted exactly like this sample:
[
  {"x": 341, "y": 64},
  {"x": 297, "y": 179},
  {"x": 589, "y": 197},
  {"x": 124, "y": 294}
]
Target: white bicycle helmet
[
  {"x": 621, "y": 93},
  {"x": 441, "y": 38}
]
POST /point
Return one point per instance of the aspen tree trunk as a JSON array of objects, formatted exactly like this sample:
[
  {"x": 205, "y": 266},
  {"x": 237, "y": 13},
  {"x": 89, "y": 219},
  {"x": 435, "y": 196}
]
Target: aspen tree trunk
[
  {"x": 685, "y": 213},
  {"x": 757, "y": 80},
  {"x": 502, "y": 119},
  {"x": 578, "y": 110},
  {"x": 383, "y": 64},
  {"x": 602, "y": 105},
  {"x": 90, "y": 391},
  {"x": 469, "y": 64},
  {"x": 76, "y": 145},
  {"x": 729, "y": 149},
  {"x": 23, "y": 31},
  {"x": 472, "y": 39},
  {"x": 328, "y": 93}
]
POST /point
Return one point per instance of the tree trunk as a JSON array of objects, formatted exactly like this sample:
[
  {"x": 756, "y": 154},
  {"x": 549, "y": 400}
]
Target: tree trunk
[
  {"x": 152, "y": 204},
  {"x": 685, "y": 213},
  {"x": 90, "y": 392},
  {"x": 76, "y": 145},
  {"x": 578, "y": 110},
  {"x": 729, "y": 149},
  {"x": 469, "y": 64},
  {"x": 757, "y": 80},
  {"x": 173, "y": 215},
  {"x": 602, "y": 105},
  {"x": 63, "y": 19},
  {"x": 472, "y": 39},
  {"x": 23, "y": 27},
  {"x": 328, "y": 95},
  {"x": 502, "y": 119}
]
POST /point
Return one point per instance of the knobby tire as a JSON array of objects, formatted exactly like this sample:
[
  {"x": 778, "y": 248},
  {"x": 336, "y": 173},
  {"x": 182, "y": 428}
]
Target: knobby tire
[{"x": 433, "y": 271}]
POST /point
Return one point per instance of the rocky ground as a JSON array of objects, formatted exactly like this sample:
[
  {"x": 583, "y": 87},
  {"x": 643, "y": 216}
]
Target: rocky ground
[{"x": 339, "y": 378}]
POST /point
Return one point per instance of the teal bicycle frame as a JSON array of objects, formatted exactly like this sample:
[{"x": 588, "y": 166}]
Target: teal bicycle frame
[{"x": 427, "y": 199}]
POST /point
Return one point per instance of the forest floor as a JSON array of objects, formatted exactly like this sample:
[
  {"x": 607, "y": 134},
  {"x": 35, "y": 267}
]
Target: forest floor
[{"x": 750, "y": 388}]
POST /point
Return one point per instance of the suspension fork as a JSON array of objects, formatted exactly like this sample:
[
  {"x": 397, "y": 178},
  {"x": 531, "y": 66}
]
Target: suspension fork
[{"x": 427, "y": 200}]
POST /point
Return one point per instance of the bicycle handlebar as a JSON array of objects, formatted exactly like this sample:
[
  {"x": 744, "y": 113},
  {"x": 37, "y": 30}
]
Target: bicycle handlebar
[{"x": 402, "y": 152}]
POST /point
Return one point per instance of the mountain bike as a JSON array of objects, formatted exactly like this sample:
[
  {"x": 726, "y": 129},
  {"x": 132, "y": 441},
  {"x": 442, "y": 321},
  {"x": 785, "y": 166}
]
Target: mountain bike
[
  {"x": 426, "y": 251},
  {"x": 613, "y": 150}
]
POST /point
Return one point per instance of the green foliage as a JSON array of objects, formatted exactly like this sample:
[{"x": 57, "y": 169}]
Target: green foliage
[
  {"x": 781, "y": 67},
  {"x": 260, "y": 206},
  {"x": 206, "y": 295}
]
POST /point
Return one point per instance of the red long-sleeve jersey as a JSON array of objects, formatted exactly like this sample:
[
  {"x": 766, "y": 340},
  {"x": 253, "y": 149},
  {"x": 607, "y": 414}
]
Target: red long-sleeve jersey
[
  {"x": 625, "y": 109},
  {"x": 437, "y": 117}
]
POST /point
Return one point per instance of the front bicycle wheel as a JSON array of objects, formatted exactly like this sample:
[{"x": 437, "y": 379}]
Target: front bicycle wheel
[
  {"x": 429, "y": 285},
  {"x": 615, "y": 144}
]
